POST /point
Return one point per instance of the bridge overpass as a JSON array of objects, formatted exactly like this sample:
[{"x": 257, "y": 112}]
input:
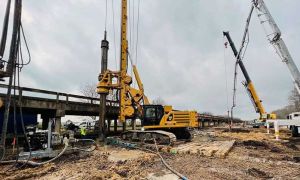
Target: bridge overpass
[{"x": 51, "y": 104}]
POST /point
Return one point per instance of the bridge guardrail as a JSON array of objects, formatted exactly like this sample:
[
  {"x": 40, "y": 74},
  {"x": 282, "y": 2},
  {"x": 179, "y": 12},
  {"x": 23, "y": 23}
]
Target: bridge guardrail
[{"x": 59, "y": 95}]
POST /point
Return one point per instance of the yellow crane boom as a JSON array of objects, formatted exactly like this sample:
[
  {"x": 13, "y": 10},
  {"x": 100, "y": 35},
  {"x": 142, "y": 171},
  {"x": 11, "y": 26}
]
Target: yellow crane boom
[{"x": 259, "y": 108}]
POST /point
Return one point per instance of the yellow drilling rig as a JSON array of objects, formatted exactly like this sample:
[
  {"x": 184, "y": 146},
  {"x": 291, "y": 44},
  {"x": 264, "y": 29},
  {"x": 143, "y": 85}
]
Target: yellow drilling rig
[{"x": 162, "y": 123}]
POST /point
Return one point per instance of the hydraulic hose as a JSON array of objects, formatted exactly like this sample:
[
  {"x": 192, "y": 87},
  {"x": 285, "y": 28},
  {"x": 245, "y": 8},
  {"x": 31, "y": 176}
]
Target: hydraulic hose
[{"x": 163, "y": 161}]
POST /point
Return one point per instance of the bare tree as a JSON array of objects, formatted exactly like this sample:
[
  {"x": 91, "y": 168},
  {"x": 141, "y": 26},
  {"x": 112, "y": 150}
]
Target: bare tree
[
  {"x": 158, "y": 101},
  {"x": 89, "y": 90},
  {"x": 283, "y": 112},
  {"x": 294, "y": 100},
  {"x": 293, "y": 105},
  {"x": 207, "y": 113}
]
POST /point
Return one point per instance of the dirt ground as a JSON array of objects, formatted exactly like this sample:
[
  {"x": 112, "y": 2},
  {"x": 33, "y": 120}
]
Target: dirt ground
[{"x": 255, "y": 155}]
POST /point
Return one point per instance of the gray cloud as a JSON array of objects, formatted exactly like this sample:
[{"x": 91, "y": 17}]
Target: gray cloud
[{"x": 180, "y": 52}]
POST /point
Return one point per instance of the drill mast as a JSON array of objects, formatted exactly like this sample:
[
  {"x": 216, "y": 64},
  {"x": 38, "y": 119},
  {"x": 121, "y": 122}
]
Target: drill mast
[
  {"x": 131, "y": 99},
  {"x": 124, "y": 61}
]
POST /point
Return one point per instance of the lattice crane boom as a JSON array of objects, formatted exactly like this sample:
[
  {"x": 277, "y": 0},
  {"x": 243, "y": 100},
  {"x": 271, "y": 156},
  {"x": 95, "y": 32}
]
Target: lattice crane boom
[{"x": 274, "y": 37}]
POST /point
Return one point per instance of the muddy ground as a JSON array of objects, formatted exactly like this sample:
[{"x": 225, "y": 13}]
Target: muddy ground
[{"x": 255, "y": 155}]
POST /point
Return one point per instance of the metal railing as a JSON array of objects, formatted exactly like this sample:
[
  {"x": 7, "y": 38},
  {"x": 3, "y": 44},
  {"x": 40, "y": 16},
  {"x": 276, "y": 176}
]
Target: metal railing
[
  {"x": 216, "y": 118},
  {"x": 59, "y": 96}
]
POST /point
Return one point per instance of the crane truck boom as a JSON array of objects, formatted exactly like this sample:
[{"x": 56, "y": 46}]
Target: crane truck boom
[
  {"x": 257, "y": 103},
  {"x": 274, "y": 37}
]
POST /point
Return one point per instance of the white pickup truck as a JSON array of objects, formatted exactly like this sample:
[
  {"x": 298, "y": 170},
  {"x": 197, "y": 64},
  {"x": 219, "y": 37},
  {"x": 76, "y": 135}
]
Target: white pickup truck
[
  {"x": 87, "y": 124},
  {"x": 295, "y": 116}
]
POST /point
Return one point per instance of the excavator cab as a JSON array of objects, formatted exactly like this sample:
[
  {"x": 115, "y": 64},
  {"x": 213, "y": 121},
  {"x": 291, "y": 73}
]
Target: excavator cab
[{"x": 152, "y": 115}]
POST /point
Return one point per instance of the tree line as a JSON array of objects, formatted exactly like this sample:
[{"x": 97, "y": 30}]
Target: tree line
[{"x": 293, "y": 105}]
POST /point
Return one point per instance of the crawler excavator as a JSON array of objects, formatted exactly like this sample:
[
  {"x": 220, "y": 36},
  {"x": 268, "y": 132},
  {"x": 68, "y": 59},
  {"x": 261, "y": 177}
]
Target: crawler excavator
[
  {"x": 162, "y": 123},
  {"x": 257, "y": 103}
]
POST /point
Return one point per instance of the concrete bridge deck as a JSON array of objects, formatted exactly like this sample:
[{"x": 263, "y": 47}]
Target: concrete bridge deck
[
  {"x": 57, "y": 103},
  {"x": 51, "y": 104}
]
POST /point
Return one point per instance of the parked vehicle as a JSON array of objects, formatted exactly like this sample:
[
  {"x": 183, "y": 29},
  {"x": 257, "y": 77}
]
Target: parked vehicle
[{"x": 295, "y": 116}]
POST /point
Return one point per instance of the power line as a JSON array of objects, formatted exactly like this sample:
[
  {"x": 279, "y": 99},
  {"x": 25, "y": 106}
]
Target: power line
[
  {"x": 129, "y": 47},
  {"x": 132, "y": 48},
  {"x": 129, "y": 24},
  {"x": 113, "y": 16},
  {"x": 105, "y": 14},
  {"x": 137, "y": 34}
]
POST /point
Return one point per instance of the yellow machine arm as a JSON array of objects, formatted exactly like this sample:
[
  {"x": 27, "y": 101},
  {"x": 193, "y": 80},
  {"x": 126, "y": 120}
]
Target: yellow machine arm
[
  {"x": 131, "y": 99},
  {"x": 140, "y": 84},
  {"x": 134, "y": 103},
  {"x": 254, "y": 96},
  {"x": 259, "y": 108},
  {"x": 125, "y": 103}
]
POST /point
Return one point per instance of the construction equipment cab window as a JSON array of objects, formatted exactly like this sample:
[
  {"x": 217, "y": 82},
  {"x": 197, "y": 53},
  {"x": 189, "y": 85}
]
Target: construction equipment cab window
[{"x": 152, "y": 114}]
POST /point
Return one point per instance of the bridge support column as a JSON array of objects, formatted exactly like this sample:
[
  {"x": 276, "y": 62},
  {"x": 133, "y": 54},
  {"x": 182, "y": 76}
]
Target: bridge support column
[
  {"x": 57, "y": 124},
  {"x": 115, "y": 125},
  {"x": 45, "y": 121},
  {"x": 108, "y": 125},
  {"x": 124, "y": 126},
  {"x": 202, "y": 123},
  {"x": 133, "y": 124}
]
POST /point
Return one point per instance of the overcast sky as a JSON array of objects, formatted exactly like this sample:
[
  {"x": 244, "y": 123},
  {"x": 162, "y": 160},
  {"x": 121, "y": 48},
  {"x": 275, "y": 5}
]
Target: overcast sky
[{"x": 181, "y": 55}]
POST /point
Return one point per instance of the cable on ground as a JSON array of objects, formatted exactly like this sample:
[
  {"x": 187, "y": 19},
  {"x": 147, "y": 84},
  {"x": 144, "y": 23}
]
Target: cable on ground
[{"x": 162, "y": 160}]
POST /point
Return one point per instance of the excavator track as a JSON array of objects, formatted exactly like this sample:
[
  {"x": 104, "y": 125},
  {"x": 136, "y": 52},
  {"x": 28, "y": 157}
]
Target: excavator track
[
  {"x": 161, "y": 137},
  {"x": 184, "y": 134}
]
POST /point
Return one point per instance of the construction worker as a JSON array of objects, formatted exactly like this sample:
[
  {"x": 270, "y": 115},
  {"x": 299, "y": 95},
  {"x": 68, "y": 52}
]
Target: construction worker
[{"x": 83, "y": 131}]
